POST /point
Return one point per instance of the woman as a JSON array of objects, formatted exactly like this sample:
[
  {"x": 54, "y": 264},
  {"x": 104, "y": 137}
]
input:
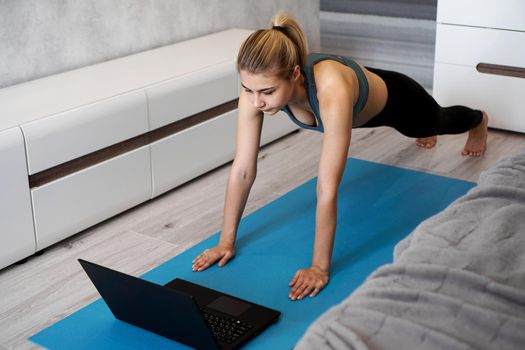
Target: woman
[{"x": 331, "y": 94}]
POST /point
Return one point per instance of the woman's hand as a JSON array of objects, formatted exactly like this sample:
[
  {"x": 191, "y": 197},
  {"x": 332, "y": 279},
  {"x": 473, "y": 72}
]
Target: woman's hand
[
  {"x": 223, "y": 251},
  {"x": 308, "y": 281}
]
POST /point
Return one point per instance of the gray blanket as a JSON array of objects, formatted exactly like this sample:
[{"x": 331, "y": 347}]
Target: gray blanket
[{"x": 456, "y": 282}]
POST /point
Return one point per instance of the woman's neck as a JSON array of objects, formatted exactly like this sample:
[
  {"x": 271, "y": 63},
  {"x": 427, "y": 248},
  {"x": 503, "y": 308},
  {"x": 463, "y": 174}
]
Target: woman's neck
[{"x": 300, "y": 97}]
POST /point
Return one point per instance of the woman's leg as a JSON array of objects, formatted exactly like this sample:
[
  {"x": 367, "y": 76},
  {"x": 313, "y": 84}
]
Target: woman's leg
[
  {"x": 414, "y": 113},
  {"x": 457, "y": 119}
]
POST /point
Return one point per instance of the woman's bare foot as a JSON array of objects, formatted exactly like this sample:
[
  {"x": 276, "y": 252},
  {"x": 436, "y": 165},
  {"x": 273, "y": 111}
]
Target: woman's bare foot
[
  {"x": 426, "y": 142},
  {"x": 476, "y": 144}
]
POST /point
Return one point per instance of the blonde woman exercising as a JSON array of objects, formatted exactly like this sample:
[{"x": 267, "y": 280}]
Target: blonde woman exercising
[{"x": 330, "y": 94}]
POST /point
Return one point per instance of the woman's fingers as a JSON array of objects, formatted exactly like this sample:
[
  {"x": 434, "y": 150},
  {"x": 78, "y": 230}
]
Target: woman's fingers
[
  {"x": 203, "y": 261},
  {"x": 315, "y": 292},
  {"x": 306, "y": 282},
  {"x": 210, "y": 256},
  {"x": 294, "y": 279},
  {"x": 302, "y": 286},
  {"x": 225, "y": 259},
  {"x": 306, "y": 291},
  {"x": 297, "y": 289}
]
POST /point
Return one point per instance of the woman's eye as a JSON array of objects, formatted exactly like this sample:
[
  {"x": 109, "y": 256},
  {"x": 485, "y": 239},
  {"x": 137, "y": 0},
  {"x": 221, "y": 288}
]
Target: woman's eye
[{"x": 268, "y": 92}]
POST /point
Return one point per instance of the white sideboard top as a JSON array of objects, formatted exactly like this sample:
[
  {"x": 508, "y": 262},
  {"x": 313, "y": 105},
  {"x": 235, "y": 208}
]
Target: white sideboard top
[
  {"x": 501, "y": 14},
  {"x": 61, "y": 92}
]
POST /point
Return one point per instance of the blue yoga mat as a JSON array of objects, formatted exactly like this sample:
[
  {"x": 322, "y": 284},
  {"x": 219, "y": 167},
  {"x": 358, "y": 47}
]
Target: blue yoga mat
[{"x": 378, "y": 206}]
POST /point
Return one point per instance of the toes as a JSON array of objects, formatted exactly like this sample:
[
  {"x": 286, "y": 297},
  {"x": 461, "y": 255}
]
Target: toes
[
  {"x": 426, "y": 142},
  {"x": 472, "y": 153}
]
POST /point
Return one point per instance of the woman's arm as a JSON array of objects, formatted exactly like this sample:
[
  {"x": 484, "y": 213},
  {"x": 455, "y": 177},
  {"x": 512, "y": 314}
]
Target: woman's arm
[
  {"x": 244, "y": 167},
  {"x": 336, "y": 96},
  {"x": 242, "y": 175},
  {"x": 331, "y": 167}
]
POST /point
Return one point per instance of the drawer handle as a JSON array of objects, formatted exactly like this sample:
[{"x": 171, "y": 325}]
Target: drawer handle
[{"x": 496, "y": 69}]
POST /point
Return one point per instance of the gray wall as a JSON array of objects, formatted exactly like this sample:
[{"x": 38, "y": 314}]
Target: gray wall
[
  {"x": 395, "y": 35},
  {"x": 44, "y": 37},
  {"x": 420, "y": 9}
]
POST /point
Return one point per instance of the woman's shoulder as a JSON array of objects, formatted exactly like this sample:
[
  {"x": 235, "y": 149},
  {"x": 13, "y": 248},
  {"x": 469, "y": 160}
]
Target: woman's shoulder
[
  {"x": 314, "y": 57},
  {"x": 331, "y": 73}
]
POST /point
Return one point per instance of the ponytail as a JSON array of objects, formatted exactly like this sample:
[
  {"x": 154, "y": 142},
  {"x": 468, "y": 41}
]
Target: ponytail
[{"x": 277, "y": 49}]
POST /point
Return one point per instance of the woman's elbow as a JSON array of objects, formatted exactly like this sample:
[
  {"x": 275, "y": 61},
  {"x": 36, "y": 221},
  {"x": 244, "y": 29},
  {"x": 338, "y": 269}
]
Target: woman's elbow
[
  {"x": 326, "y": 193},
  {"x": 243, "y": 174}
]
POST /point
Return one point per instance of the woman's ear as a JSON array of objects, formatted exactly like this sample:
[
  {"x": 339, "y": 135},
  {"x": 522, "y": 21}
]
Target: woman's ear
[{"x": 296, "y": 72}]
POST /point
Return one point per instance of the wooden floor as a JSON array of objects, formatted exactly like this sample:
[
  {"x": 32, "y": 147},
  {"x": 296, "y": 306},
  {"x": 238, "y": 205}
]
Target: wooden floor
[{"x": 49, "y": 287}]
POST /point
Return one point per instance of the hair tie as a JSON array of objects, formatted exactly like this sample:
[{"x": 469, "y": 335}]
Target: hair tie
[{"x": 280, "y": 29}]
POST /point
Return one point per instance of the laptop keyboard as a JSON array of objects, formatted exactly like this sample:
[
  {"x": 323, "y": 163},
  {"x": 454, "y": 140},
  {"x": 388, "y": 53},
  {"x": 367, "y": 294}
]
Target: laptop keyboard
[{"x": 227, "y": 330}]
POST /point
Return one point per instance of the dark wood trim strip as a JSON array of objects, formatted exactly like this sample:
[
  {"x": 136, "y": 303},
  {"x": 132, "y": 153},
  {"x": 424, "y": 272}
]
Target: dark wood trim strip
[
  {"x": 74, "y": 165},
  {"x": 190, "y": 121},
  {"x": 496, "y": 69}
]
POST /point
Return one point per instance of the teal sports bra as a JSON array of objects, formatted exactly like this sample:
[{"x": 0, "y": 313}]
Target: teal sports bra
[{"x": 311, "y": 90}]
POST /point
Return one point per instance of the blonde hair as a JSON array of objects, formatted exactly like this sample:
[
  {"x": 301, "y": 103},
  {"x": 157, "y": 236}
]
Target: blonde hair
[{"x": 277, "y": 49}]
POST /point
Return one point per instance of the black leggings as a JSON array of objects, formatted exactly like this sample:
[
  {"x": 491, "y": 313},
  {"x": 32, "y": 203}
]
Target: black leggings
[{"x": 414, "y": 112}]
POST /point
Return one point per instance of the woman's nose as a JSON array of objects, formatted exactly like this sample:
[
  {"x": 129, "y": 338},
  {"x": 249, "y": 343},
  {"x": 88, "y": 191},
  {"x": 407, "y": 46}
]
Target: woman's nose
[{"x": 258, "y": 102}]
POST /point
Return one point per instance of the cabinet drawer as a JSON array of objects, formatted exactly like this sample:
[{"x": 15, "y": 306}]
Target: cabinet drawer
[
  {"x": 17, "y": 236},
  {"x": 184, "y": 96},
  {"x": 78, "y": 201},
  {"x": 500, "y": 96},
  {"x": 203, "y": 147},
  {"x": 71, "y": 134},
  {"x": 192, "y": 152},
  {"x": 470, "y": 46},
  {"x": 504, "y": 14}
]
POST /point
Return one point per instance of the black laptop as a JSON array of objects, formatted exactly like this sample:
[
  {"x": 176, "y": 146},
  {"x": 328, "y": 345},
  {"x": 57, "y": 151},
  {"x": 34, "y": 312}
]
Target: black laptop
[{"x": 188, "y": 313}]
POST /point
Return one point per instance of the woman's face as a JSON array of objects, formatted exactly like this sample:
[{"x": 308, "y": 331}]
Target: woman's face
[{"x": 267, "y": 92}]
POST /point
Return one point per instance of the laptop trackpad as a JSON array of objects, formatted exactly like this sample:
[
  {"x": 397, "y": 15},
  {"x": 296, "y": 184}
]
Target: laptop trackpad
[{"x": 229, "y": 305}]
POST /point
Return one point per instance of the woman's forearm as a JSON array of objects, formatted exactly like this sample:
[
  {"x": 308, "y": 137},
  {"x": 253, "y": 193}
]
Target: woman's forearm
[
  {"x": 237, "y": 192},
  {"x": 325, "y": 224}
]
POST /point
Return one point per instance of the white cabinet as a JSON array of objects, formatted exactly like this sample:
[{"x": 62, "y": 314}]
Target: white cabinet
[
  {"x": 194, "y": 151},
  {"x": 178, "y": 98},
  {"x": 183, "y": 155},
  {"x": 81, "y": 146},
  {"x": 189, "y": 153},
  {"x": 480, "y": 58},
  {"x": 17, "y": 238},
  {"x": 70, "y": 204},
  {"x": 68, "y": 135},
  {"x": 501, "y": 14},
  {"x": 276, "y": 126},
  {"x": 82, "y": 198}
]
